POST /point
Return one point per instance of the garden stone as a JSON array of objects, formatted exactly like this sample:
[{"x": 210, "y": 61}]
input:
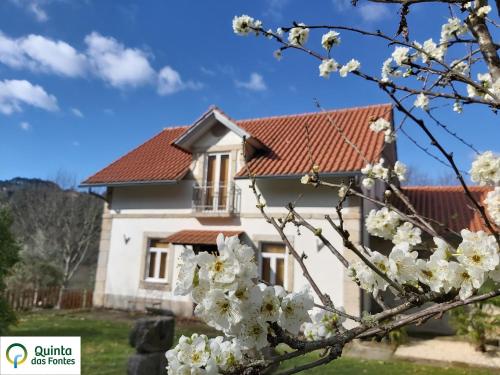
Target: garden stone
[
  {"x": 147, "y": 364},
  {"x": 151, "y": 335}
]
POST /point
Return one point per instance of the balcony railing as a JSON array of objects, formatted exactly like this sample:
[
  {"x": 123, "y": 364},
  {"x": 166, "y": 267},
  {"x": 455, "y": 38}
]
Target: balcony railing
[{"x": 216, "y": 200}]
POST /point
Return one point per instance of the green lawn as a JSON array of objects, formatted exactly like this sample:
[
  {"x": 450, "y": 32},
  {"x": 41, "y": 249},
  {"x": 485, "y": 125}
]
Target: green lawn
[{"x": 105, "y": 346}]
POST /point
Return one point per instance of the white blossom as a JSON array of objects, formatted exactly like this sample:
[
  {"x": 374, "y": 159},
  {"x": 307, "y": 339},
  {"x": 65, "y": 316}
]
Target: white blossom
[
  {"x": 324, "y": 324},
  {"x": 382, "y": 125},
  {"x": 492, "y": 202},
  {"x": 368, "y": 182},
  {"x": 253, "y": 334},
  {"x": 243, "y": 25},
  {"x": 407, "y": 233},
  {"x": 186, "y": 273},
  {"x": 431, "y": 50},
  {"x": 298, "y": 35},
  {"x": 443, "y": 250},
  {"x": 457, "y": 107},
  {"x": 483, "y": 11},
  {"x": 270, "y": 306},
  {"x": 326, "y": 67},
  {"x": 295, "y": 310},
  {"x": 486, "y": 169},
  {"x": 366, "y": 277},
  {"x": 400, "y": 170},
  {"x": 454, "y": 27},
  {"x": 478, "y": 250},
  {"x": 330, "y": 39},
  {"x": 402, "y": 264},
  {"x": 351, "y": 66},
  {"x": 432, "y": 273},
  {"x": 400, "y": 55},
  {"x": 460, "y": 66},
  {"x": 466, "y": 280},
  {"x": 382, "y": 223},
  {"x": 422, "y": 101}
]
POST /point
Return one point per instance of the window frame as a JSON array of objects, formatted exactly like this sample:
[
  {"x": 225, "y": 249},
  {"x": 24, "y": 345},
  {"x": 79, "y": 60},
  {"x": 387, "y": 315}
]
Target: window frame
[
  {"x": 273, "y": 262},
  {"x": 216, "y": 186},
  {"x": 158, "y": 251}
]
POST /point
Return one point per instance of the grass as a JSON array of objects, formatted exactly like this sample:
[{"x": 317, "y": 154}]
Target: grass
[{"x": 105, "y": 346}]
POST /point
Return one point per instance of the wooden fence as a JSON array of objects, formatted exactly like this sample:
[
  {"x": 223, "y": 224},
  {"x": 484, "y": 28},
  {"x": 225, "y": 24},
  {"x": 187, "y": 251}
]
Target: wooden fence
[{"x": 47, "y": 298}]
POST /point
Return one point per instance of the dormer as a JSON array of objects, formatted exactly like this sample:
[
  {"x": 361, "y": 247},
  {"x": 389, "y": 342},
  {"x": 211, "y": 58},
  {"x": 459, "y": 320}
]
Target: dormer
[{"x": 216, "y": 141}]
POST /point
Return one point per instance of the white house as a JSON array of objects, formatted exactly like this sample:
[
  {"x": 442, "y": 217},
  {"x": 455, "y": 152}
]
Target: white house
[{"x": 187, "y": 184}]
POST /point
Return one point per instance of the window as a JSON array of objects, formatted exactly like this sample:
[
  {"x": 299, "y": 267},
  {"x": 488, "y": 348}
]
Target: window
[
  {"x": 156, "y": 270},
  {"x": 273, "y": 265},
  {"x": 217, "y": 182}
]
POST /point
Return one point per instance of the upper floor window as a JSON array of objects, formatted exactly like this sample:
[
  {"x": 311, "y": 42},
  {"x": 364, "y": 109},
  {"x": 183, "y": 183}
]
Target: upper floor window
[
  {"x": 157, "y": 255},
  {"x": 217, "y": 182},
  {"x": 272, "y": 263}
]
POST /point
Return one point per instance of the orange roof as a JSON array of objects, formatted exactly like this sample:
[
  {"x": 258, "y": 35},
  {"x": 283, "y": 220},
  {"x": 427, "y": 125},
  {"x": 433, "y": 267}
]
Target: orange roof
[
  {"x": 199, "y": 237},
  {"x": 448, "y": 205},
  {"x": 154, "y": 161},
  {"x": 284, "y": 137}
]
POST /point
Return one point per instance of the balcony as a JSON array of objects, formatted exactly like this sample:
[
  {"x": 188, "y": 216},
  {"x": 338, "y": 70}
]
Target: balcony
[{"x": 216, "y": 201}]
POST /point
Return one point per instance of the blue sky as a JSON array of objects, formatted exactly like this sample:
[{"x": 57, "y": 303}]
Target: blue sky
[{"x": 93, "y": 79}]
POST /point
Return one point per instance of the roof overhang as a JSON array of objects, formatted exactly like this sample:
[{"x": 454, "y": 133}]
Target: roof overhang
[
  {"x": 127, "y": 183},
  {"x": 299, "y": 175},
  {"x": 211, "y": 117},
  {"x": 199, "y": 237}
]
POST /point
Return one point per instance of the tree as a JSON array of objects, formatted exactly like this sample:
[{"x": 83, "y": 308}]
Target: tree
[
  {"x": 8, "y": 257},
  {"x": 418, "y": 77},
  {"x": 59, "y": 230}
]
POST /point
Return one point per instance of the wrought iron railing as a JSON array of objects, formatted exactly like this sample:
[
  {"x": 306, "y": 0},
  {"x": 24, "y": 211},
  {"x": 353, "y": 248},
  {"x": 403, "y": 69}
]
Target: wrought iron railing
[{"x": 209, "y": 199}]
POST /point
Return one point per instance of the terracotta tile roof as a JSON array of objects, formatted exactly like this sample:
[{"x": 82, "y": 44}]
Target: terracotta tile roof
[
  {"x": 199, "y": 237},
  {"x": 448, "y": 205},
  {"x": 155, "y": 160},
  {"x": 284, "y": 137}
]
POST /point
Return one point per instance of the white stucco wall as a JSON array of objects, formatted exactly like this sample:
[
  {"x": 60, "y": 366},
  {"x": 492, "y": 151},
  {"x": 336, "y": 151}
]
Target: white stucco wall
[{"x": 137, "y": 212}]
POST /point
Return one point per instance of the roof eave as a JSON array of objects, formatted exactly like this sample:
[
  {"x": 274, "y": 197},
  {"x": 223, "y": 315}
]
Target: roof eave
[
  {"x": 128, "y": 183},
  {"x": 183, "y": 140},
  {"x": 298, "y": 175}
]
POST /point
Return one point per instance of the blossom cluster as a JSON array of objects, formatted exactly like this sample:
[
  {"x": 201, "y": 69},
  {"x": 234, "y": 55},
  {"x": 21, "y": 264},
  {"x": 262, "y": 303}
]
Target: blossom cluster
[
  {"x": 200, "y": 355},
  {"x": 485, "y": 169},
  {"x": 228, "y": 298},
  {"x": 463, "y": 269},
  {"x": 493, "y": 204},
  {"x": 324, "y": 324},
  {"x": 378, "y": 171},
  {"x": 384, "y": 126}
]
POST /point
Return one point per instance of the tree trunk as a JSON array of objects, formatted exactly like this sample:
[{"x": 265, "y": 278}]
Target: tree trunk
[{"x": 64, "y": 284}]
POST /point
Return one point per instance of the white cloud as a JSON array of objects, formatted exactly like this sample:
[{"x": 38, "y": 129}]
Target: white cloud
[
  {"x": 208, "y": 72},
  {"x": 77, "y": 112},
  {"x": 35, "y": 7},
  {"x": 16, "y": 93},
  {"x": 342, "y": 5},
  {"x": 38, "y": 53},
  {"x": 25, "y": 126},
  {"x": 117, "y": 65},
  {"x": 105, "y": 57},
  {"x": 369, "y": 12},
  {"x": 255, "y": 83},
  {"x": 372, "y": 12},
  {"x": 170, "y": 82},
  {"x": 275, "y": 9}
]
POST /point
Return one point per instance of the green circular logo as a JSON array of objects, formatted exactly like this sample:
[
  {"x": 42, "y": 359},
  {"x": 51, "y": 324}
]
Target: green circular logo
[{"x": 18, "y": 359}]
